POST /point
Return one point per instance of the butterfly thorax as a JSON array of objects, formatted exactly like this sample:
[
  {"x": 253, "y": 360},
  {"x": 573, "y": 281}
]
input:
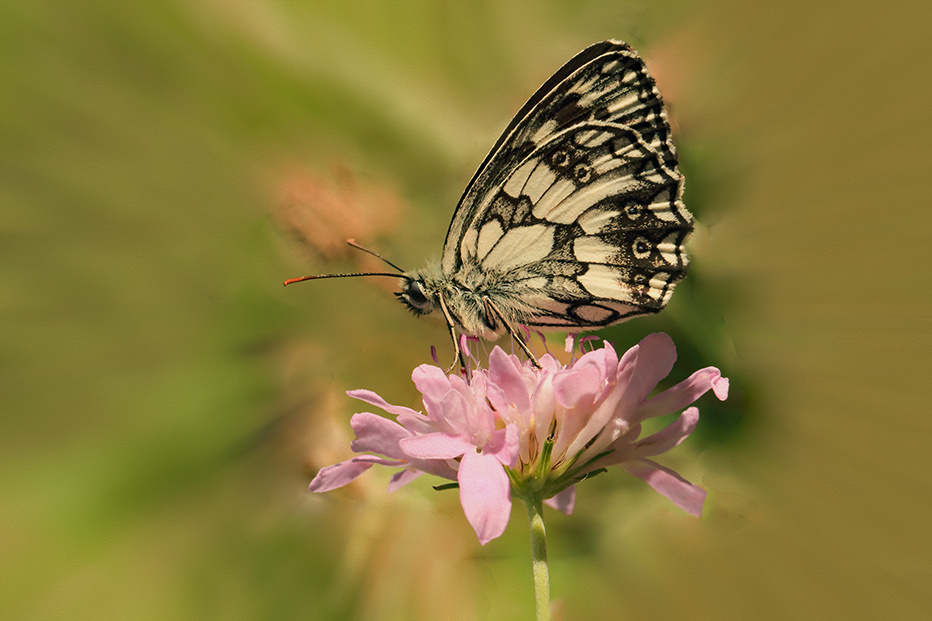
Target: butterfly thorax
[{"x": 475, "y": 299}]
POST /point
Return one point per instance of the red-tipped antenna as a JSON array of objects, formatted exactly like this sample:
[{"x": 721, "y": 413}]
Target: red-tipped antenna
[
  {"x": 351, "y": 242},
  {"x": 291, "y": 281}
]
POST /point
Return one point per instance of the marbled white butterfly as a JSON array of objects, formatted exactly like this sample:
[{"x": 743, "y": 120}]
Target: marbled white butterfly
[{"x": 574, "y": 220}]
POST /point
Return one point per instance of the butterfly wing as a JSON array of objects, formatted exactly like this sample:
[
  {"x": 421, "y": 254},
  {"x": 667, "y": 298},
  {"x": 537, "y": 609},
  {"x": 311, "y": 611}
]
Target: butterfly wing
[{"x": 579, "y": 202}]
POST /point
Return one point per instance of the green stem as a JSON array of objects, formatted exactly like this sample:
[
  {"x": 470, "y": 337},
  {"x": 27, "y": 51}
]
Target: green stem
[{"x": 539, "y": 556}]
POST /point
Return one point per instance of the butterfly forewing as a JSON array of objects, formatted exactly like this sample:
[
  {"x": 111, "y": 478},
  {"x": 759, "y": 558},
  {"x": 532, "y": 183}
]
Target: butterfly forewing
[
  {"x": 578, "y": 206},
  {"x": 606, "y": 82}
]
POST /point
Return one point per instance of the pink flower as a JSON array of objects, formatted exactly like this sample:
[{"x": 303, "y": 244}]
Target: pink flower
[{"x": 514, "y": 428}]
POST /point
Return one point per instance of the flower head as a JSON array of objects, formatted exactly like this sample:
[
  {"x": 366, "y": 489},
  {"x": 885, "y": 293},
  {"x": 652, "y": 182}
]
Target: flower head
[{"x": 515, "y": 428}]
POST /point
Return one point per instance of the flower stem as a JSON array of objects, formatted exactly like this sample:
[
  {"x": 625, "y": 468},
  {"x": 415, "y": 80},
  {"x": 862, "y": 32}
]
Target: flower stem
[{"x": 539, "y": 556}]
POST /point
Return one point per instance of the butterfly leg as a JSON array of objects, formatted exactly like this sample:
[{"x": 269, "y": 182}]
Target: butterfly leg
[
  {"x": 511, "y": 331},
  {"x": 457, "y": 352}
]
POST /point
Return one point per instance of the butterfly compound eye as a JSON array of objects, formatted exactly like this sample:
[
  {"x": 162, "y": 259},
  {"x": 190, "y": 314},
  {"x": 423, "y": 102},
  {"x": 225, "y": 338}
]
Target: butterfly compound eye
[
  {"x": 412, "y": 293},
  {"x": 417, "y": 295}
]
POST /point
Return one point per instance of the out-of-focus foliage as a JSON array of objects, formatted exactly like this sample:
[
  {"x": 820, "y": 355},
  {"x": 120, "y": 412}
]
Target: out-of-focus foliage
[{"x": 164, "y": 401}]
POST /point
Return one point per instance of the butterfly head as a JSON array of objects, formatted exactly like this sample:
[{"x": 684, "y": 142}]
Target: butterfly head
[{"x": 418, "y": 294}]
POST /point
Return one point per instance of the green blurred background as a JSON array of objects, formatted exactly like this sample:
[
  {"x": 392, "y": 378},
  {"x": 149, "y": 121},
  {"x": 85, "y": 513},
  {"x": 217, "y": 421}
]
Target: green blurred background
[{"x": 165, "y": 401}]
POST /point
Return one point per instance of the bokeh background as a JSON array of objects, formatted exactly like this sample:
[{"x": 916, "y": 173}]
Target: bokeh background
[{"x": 165, "y": 401}]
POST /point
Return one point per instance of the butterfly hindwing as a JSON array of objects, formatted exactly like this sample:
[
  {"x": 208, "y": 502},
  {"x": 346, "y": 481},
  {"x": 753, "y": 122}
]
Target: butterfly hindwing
[{"x": 589, "y": 228}]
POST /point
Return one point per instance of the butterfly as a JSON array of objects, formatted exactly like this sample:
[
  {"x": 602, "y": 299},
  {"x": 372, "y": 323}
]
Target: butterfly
[{"x": 575, "y": 219}]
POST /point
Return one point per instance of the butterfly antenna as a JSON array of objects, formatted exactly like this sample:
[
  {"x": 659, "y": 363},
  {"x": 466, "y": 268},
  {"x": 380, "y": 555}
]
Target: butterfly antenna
[
  {"x": 292, "y": 281},
  {"x": 352, "y": 242}
]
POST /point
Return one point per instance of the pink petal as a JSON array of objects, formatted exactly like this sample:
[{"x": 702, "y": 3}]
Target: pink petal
[
  {"x": 402, "y": 478},
  {"x": 466, "y": 409},
  {"x": 460, "y": 385},
  {"x": 485, "y": 495},
  {"x": 430, "y": 380},
  {"x": 416, "y": 423},
  {"x": 655, "y": 357},
  {"x": 504, "y": 445},
  {"x": 550, "y": 364},
  {"x": 505, "y": 373},
  {"x": 448, "y": 409},
  {"x": 684, "y": 494},
  {"x": 496, "y": 397},
  {"x": 436, "y": 446},
  {"x": 545, "y": 408},
  {"x": 434, "y": 386},
  {"x": 580, "y": 384},
  {"x": 564, "y": 501},
  {"x": 377, "y": 434},
  {"x": 345, "y": 472},
  {"x": 373, "y": 399},
  {"x": 609, "y": 358},
  {"x": 720, "y": 388},
  {"x": 586, "y": 380},
  {"x": 585, "y": 424},
  {"x": 670, "y": 436},
  {"x": 626, "y": 365},
  {"x": 611, "y": 412},
  {"x": 685, "y": 393},
  {"x": 619, "y": 451}
]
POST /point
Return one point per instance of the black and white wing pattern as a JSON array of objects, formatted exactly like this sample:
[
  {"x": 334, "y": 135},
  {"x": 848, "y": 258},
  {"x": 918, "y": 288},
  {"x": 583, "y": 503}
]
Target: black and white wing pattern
[{"x": 578, "y": 207}]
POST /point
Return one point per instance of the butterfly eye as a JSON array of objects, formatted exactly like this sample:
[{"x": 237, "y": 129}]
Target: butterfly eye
[
  {"x": 412, "y": 293},
  {"x": 417, "y": 296}
]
